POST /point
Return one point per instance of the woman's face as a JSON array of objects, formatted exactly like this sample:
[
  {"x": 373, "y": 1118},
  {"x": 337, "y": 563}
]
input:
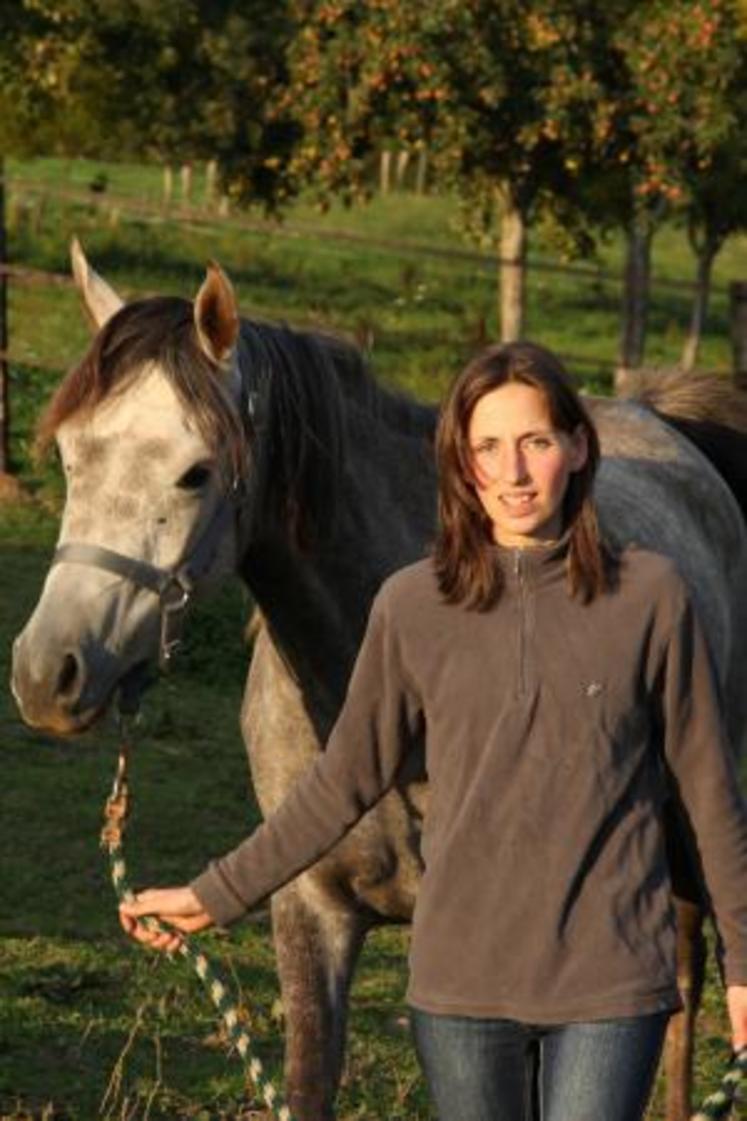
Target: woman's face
[{"x": 521, "y": 464}]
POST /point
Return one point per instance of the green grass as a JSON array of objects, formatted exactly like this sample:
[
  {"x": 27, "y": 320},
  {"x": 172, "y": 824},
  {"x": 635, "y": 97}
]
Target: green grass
[{"x": 78, "y": 1005}]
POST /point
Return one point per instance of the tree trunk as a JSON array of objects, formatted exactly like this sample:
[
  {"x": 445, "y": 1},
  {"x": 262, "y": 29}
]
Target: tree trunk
[
  {"x": 635, "y": 299},
  {"x": 4, "y": 369},
  {"x": 706, "y": 257},
  {"x": 738, "y": 301},
  {"x": 513, "y": 271}
]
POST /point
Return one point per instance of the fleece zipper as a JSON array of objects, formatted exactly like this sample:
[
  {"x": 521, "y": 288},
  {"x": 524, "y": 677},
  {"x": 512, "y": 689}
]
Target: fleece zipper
[{"x": 521, "y": 598}]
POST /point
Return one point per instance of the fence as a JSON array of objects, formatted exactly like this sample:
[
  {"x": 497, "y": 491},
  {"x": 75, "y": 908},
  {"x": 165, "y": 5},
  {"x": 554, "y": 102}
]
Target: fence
[{"x": 115, "y": 208}]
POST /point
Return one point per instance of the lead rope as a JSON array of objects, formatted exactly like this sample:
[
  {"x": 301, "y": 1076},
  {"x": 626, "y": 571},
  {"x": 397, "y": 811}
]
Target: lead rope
[
  {"x": 115, "y": 816},
  {"x": 719, "y": 1105}
]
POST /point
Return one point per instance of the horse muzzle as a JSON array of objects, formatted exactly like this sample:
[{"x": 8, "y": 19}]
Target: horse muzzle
[{"x": 64, "y": 691}]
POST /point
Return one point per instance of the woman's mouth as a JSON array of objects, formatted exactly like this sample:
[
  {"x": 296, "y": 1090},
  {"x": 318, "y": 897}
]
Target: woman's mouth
[{"x": 518, "y": 502}]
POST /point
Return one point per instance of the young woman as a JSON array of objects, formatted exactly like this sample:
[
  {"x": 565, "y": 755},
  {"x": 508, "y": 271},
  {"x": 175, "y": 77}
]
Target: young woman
[{"x": 558, "y": 689}]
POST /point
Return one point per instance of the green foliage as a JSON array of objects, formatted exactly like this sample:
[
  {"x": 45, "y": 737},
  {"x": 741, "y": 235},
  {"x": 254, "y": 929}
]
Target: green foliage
[
  {"x": 503, "y": 95},
  {"x": 685, "y": 68},
  {"x": 179, "y": 80}
]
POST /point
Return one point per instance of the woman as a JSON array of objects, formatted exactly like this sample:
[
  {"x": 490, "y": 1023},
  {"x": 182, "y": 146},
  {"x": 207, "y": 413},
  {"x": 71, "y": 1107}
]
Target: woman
[{"x": 558, "y": 689}]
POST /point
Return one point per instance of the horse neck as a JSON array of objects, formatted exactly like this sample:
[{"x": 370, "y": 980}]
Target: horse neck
[{"x": 316, "y": 599}]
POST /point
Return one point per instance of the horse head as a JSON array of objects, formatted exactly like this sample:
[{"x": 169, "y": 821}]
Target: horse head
[{"x": 149, "y": 434}]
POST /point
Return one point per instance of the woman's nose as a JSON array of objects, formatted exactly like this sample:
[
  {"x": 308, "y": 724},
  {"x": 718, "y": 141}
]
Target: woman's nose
[{"x": 513, "y": 464}]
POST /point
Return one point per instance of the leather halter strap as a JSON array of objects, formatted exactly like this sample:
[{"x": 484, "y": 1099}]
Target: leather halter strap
[
  {"x": 138, "y": 572},
  {"x": 173, "y": 586}
]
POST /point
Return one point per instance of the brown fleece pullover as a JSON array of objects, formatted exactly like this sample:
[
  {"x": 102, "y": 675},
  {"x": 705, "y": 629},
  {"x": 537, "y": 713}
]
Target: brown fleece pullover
[{"x": 546, "y": 893}]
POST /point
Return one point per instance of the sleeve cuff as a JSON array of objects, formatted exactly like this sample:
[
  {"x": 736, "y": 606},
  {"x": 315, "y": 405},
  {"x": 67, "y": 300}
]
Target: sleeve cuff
[{"x": 216, "y": 897}]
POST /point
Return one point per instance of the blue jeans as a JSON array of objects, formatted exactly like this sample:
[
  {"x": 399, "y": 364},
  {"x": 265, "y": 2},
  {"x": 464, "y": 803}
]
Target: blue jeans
[{"x": 501, "y": 1070}]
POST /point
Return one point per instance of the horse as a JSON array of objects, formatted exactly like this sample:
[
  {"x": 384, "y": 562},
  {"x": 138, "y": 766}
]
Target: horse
[{"x": 197, "y": 443}]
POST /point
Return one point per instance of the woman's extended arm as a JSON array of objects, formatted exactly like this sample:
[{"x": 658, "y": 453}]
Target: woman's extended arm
[
  {"x": 380, "y": 718},
  {"x": 703, "y": 772}
]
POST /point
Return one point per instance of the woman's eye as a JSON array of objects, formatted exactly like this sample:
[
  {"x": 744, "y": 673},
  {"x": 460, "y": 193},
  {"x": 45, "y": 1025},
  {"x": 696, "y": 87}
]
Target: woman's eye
[
  {"x": 540, "y": 443},
  {"x": 195, "y": 477}
]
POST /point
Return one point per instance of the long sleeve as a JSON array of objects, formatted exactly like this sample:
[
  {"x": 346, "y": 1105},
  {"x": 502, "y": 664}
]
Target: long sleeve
[
  {"x": 378, "y": 721},
  {"x": 702, "y": 766}
]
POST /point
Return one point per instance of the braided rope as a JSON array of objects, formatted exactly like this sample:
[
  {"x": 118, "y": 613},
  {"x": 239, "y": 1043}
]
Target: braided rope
[
  {"x": 719, "y": 1104},
  {"x": 115, "y": 815}
]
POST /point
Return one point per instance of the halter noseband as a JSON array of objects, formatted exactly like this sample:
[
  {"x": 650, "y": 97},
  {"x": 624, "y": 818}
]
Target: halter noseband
[{"x": 173, "y": 586}]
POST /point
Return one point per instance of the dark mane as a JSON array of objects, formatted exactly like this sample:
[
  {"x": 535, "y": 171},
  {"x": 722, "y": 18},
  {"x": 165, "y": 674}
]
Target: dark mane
[
  {"x": 302, "y": 391},
  {"x": 306, "y": 388}
]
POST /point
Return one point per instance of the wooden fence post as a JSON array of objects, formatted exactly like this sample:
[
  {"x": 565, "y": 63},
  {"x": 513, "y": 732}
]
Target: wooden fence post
[
  {"x": 385, "y": 170},
  {"x": 421, "y": 174},
  {"x": 738, "y": 304}
]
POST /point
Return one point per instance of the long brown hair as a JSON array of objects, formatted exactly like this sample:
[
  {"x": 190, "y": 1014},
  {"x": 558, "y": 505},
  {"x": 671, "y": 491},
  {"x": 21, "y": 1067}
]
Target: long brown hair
[{"x": 464, "y": 558}]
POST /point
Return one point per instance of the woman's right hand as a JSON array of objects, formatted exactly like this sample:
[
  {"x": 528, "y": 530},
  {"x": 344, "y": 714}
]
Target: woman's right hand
[{"x": 179, "y": 907}]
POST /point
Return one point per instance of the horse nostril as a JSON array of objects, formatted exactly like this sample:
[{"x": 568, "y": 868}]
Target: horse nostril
[{"x": 68, "y": 675}]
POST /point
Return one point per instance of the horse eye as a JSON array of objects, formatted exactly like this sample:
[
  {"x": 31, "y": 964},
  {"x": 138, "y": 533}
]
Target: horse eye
[{"x": 195, "y": 477}]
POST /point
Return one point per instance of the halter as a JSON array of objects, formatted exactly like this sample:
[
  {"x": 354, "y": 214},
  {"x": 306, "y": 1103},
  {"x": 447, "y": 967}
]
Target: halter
[{"x": 173, "y": 586}]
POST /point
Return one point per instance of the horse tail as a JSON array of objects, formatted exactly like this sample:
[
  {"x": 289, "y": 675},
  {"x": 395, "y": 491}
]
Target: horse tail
[
  {"x": 697, "y": 396},
  {"x": 710, "y": 411}
]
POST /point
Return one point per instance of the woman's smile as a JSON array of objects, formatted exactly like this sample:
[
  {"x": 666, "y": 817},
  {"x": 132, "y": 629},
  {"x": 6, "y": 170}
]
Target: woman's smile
[{"x": 518, "y": 501}]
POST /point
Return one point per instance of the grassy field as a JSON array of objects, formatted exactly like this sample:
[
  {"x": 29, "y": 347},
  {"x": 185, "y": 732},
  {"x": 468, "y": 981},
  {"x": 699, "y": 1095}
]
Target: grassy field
[{"x": 89, "y": 1026}]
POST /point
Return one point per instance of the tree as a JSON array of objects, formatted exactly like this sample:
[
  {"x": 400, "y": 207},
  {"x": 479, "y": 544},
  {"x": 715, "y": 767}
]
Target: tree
[
  {"x": 669, "y": 130},
  {"x": 504, "y": 95},
  {"x": 194, "y": 80},
  {"x": 716, "y": 200},
  {"x": 717, "y": 208}
]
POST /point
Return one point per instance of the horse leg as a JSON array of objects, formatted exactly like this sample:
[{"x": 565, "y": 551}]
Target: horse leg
[
  {"x": 691, "y": 956},
  {"x": 316, "y": 949}
]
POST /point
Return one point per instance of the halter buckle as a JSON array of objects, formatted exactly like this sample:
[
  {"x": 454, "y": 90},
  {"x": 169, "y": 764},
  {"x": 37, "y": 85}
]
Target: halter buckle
[{"x": 174, "y": 599}]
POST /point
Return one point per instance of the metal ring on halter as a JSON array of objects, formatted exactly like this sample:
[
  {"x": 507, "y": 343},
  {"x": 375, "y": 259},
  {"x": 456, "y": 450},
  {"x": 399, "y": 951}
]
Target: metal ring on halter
[{"x": 174, "y": 598}]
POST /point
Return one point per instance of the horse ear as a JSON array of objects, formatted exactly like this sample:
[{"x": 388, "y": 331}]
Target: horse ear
[
  {"x": 216, "y": 315},
  {"x": 100, "y": 301}
]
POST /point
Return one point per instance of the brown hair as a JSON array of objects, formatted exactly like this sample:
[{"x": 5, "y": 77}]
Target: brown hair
[
  {"x": 157, "y": 330},
  {"x": 465, "y": 562}
]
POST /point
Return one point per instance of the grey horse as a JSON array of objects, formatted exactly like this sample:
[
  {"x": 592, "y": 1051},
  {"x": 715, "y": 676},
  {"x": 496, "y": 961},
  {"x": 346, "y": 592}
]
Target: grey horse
[{"x": 194, "y": 443}]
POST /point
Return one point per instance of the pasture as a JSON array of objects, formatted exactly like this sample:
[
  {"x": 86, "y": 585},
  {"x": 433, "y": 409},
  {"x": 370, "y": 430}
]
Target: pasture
[{"x": 90, "y": 1026}]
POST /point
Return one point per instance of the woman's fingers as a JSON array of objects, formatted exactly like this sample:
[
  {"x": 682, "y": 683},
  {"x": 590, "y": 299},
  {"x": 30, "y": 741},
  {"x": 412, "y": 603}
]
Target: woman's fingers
[
  {"x": 178, "y": 907},
  {"x": 155, "y": 937},
  {"x": 178, "y": 902},
  {"x": 736, "y": 999}
]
